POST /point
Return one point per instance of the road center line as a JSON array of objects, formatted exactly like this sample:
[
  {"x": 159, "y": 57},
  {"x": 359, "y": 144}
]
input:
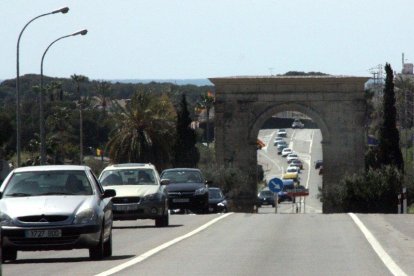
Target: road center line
[
  {"x": 385, "y": 258},
  {"x": 157, "y": 249}
]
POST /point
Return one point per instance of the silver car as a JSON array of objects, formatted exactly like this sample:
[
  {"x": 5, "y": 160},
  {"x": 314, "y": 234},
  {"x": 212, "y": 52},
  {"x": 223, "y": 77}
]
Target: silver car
[
  {"x": 55, "y": 208},
  {"x": 139, "y": 194}
]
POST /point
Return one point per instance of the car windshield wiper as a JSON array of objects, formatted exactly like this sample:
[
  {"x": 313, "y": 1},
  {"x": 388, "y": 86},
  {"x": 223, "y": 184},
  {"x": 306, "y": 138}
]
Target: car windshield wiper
[
  {"x": 18, "y": 194},
  {"x": 55, "y": 193}
]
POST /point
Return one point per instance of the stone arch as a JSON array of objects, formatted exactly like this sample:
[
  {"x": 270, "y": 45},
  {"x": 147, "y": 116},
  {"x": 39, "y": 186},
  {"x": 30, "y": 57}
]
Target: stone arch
[{"x": 336, "y": 104}]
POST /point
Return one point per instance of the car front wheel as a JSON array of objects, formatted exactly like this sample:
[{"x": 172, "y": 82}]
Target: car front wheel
[
  {"x": 97, "y": 252},
  {"x": 9, "y": 254}
]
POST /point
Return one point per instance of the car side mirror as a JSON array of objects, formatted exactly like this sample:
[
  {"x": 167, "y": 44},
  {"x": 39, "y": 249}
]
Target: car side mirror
[
  {"x": 165, "y": 181},
  {"x": 109, "y": 193}
]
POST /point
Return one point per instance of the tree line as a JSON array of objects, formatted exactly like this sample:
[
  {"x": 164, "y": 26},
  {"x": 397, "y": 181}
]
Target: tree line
[{"x": 128, "y": 122}]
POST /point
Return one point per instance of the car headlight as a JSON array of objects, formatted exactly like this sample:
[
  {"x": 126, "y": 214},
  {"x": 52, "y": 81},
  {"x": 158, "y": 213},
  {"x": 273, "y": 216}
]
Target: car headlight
[
  {"x": 151, "y": 197},
  {"x": 85, "y": 216},
  {"x": 222, "y": 204},
  {"x": 200, "y": 191},
  {"x": 5, "y": 220}
]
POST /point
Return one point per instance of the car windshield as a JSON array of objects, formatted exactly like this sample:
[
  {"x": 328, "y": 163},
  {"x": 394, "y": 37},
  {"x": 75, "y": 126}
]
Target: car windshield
[
  {"x": 214, "y": 194},
  {"x": 39, "y": 183},
  {"x": 291, "y": 170},
  {"x": 138, "y": 176},
  {"x": 183, "y": 176}
]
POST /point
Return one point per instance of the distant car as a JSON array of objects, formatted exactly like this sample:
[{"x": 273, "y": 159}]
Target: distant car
[
  {"x": 318, "y": 164},
  {"x": 297, "y": 162},
  {"x": 217, "y": 203},
  {"x": 283, "y": 195},
  {"x": 292, "y": 169},
  {"x": 55, "y": 208},
  {"x": 291, "y": 157},
  {"x": 139, "y": 194},
  {"x": 286, "y": 152},
  {"x": 293, "y": 176},
  {"x": 265, "y": 197},
  {"x": 281, "y": 133},
  {"x": 280, "y": 148},
  {"x": 187, "y": 189},
  {"x": 297, "y": 124},
  {"x": 278, "y": 139}
]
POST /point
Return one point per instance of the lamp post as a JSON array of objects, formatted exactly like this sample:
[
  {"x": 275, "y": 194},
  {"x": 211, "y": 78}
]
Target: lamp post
[
  {"x": 42, "y": 123},
  {"x": 61, "y": 10}
]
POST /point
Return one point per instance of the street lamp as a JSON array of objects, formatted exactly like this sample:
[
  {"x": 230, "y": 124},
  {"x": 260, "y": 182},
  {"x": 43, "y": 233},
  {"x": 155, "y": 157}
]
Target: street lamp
[
  {"x": 61, "y": 10},
  {"x": 42, "y": 123}
]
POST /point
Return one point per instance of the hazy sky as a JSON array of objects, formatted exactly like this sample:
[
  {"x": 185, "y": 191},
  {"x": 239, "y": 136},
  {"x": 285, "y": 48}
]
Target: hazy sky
[{"x": 178, "y": 39}]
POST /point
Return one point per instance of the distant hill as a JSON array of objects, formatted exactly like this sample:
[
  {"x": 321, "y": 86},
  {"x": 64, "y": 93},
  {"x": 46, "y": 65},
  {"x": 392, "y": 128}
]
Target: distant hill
[{"x": 198, "y": 82}]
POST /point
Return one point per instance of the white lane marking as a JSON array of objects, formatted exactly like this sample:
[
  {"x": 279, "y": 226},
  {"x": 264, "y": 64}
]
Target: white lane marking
[
  {"x": 385, "y": 258},
  {"x": 310, "y": 160},
  {"x": 271, "y": 160},
  {"x": 157, "y": 249}
]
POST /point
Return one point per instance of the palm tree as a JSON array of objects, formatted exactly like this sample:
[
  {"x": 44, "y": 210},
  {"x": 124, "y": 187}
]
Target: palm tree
[
  {"x": 79, "y": 79},
  {"x": 207, "y": 102},
  {"x": 103, "y": 90},
  {"x": 144, "y": 132}
]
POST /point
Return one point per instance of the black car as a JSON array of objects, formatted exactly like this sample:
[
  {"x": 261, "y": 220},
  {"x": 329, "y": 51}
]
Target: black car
[
  {"x": 187, "y": 189},
  {"x": 265, "y": 197},
  {"x": 217, "y": 202},
  {"x": 318, "y": 164}
]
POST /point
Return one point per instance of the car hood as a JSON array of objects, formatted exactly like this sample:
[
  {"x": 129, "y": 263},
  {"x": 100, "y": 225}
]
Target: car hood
[
  {"x": 183, "y": 187},
  {"x": 134, "y": 190},
  {"x": 43, "y": 205}
]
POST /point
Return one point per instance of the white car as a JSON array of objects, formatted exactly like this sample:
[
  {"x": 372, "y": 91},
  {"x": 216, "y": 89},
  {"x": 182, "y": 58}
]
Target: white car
[
  {"x": 292, "y": 169},
  {"x": 281, "y": 133},
  {"x": 278, "y": 139},
  {"x": 286, "y": 152},
  {"x": 291, "y": 157},
  {"x": 139, "y": 193}
]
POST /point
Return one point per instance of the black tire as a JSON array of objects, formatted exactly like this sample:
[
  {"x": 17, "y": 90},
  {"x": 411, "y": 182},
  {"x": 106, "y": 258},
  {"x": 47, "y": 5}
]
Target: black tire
[
  {"x": 108, "y": 246},
  {"x": 9, "y": 254},
  {"x": 162, "y": 221},
  {"x": 97, "y": 252}
]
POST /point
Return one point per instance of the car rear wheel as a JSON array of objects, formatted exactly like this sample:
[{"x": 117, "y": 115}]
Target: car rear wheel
[
  {"x": 98, "y": 252},
  {"x": 9, "y": 254}
]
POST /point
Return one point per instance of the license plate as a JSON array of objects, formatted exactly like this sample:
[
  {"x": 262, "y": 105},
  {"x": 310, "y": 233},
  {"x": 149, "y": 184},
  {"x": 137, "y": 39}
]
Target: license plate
[
  {"x": 125, "y": 207},
  {"x": 211, "y": 209},
  {"x": 50, "y": 233},
  {"x": 181, "y": 200}
]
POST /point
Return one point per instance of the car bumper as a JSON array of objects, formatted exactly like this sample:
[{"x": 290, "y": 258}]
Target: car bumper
[
  {"x": 190, "y": 202},
  {"x": 72, "y": 236},
  {"x": 132, "y": 211}
]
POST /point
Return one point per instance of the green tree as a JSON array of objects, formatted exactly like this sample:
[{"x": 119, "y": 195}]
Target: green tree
[
  {"x": 185, "y": 152},
  {"x": 389, "y": 151},
  {"x": 144, "y": 131},
  {"x": 207, "y": 102},
  {"x": 372, "y": 191}
]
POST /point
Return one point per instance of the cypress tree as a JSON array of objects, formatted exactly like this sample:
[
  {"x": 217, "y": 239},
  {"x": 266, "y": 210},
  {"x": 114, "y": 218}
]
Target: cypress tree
[
  {"x": 389, "y": 151},
  {"x": 185, "y": 152}
]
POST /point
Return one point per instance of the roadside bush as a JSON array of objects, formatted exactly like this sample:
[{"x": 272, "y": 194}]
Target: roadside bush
[{"x": 373, "y": 191}]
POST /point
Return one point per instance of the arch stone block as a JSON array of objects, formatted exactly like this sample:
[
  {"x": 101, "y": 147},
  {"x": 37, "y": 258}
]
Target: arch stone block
[{"x": 335, "y": 103}]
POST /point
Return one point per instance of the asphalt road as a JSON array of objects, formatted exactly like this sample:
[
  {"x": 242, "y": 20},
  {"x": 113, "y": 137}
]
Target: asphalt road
[
  {"x": 286, "y": 243},
  {"x": 240, "y": 244},
  {"x": 307, "y": 144}
]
